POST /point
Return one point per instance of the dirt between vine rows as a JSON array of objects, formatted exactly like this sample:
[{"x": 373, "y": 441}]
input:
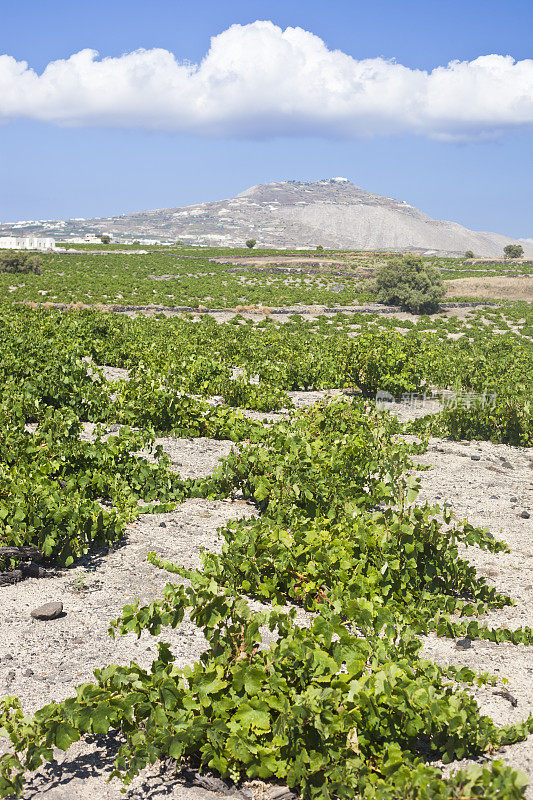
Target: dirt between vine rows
[
  {"x": 489, "y": 484},
  {"x": 280, "y": 313}
]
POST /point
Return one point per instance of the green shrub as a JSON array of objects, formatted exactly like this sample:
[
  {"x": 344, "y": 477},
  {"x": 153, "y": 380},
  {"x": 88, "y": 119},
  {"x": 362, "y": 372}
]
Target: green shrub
[
  {"x": 409, "y": 283},
  {"x": 388, "y": 362},
  {"x": 13, "y": 261},
  {"x": 508, "y": 421},
  {"x": 513, "y": 251}
]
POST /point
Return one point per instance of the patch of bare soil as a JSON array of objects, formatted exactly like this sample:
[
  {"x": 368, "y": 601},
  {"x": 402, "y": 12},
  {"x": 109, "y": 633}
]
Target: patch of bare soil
[
  {"x": 269, "y": 261},
  {"x": 493, "y": 287},
  {"x": 491, "y": 485}
]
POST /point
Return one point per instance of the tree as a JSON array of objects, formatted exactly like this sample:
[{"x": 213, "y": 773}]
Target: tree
[
  {"x": 319, "y": 248},
  {"x": 409, "y": 283},
  {"x": 513, "y": 251},
  {"x": 105, "y": 239},
  {"x": 14, "y": 261},
  {"x": 250, "y": 243},
  {"x": 469, "y": 254}
]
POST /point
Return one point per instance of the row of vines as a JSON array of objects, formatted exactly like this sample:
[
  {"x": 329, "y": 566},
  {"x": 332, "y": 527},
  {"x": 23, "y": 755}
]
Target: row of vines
[{"x": 344, "y": 706}]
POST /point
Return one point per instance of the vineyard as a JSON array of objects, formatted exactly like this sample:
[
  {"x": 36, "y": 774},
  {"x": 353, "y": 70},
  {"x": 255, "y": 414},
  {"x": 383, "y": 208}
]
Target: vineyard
[
  {"x": 332, "y": 572},
  {"x": 197, "y": 276}
]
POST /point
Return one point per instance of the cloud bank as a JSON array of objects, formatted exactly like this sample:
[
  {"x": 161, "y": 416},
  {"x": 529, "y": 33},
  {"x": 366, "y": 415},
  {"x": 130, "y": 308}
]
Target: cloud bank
[{"x": 258, "y": 80}]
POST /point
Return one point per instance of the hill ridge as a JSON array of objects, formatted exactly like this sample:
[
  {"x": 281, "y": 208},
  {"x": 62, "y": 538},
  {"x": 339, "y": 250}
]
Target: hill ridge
[{"x": 332, "y": 212}]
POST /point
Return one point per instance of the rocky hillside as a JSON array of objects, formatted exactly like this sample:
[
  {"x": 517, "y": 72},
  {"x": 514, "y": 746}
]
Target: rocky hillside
[{"x": 333, "y": 213}]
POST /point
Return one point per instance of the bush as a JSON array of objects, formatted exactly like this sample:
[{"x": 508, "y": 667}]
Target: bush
[
  {"x": 15, "y": 262},
  {"x": 469, "y": 254},
  {"x": 250, "y": 243},
  {"x": 507, "y": 421},
  {"x": 105, "y": 239},
  {"x": 409, "y": 283},
  {"x": 513, "y": 251}
]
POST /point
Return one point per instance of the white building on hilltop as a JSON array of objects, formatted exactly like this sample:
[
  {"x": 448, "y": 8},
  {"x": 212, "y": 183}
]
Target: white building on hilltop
[{"x": 27, "y": 243}]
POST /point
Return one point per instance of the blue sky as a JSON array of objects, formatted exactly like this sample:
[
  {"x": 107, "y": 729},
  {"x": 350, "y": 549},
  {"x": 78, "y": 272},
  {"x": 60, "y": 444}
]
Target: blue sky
[{"x": 49, "y": 169}]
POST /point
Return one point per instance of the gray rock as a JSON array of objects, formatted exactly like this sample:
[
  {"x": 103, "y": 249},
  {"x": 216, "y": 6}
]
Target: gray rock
[
  {"x": 48, "y": 611},
  {"x": 280, "y": 793},
  {"x": 525, "y": 515},
  {"x": 475, "y": 458},
  {"x": 463, "y": 644}
]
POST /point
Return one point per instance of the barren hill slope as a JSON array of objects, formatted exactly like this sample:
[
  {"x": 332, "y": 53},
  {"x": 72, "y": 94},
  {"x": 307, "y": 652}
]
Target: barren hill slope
[{"x": 333, "y": 213}]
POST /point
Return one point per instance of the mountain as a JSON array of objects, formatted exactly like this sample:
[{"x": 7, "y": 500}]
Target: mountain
[{"x": 333, "y": 213}]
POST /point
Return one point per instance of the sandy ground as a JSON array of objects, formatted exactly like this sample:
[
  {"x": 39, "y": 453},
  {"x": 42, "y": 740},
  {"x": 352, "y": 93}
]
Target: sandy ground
[
  {"x": 280, "y": 314},
  {"x": 292, "y": 261},
  {"x": 489, "y": 484},
  {"x": 495, "y": 288}
]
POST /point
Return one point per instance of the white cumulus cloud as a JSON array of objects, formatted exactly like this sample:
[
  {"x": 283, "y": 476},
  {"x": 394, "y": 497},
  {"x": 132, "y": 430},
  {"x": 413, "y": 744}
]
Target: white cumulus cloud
[{"x": 258, "y": 80}]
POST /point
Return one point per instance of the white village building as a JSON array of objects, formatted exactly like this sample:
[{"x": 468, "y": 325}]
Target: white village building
[{"x": 27, "y": 243}]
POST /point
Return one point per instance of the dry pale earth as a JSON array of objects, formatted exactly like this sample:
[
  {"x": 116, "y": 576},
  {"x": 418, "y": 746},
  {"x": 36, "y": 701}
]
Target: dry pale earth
[{"x": 494, "y": 288}]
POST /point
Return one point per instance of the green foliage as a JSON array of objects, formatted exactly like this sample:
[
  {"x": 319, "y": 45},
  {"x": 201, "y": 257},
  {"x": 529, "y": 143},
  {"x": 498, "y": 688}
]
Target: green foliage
[
  {"x": 382, "y": 360},
  {"x": 251, "y": 243},
  {"x": 469, "y": 254},
  {"x": 15, "y": 261},
  {"x": 52, "y": 484},
  {"x": 346, "y": 706},
  {"x": 507, "y": 420},
  {"x": 513, "y": 251},
  {"x": 186, "y": 276},
  {"x": 411, "y": 284},
  {"x": 331, "y": 712},
  {"x": 318, "y": 462},
  {"x": 105, "y": 239}
]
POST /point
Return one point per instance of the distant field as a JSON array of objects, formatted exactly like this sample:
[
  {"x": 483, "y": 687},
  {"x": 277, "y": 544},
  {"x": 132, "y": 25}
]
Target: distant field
[
  {"x": 185, "y": 276},
  {"x": 496, "y": 288}
]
